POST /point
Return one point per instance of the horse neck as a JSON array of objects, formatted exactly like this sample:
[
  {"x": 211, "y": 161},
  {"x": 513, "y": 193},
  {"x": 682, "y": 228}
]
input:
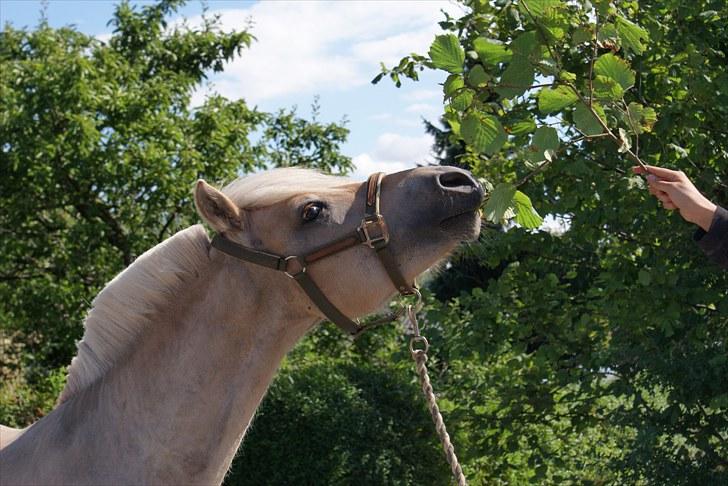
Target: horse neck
[{"x": 187, "y": 393}]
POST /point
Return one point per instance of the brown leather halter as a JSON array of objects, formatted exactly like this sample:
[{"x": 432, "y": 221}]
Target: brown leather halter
[{"x": 372, "y": 232}]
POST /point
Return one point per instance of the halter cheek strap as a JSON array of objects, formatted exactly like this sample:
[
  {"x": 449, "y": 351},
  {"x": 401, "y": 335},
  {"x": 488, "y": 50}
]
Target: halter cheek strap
[{"x": 372, "y": 232}]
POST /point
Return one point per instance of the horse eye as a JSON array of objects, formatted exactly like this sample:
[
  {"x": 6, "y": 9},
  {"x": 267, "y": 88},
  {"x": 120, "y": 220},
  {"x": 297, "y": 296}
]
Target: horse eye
[{"x": 312, "y": 211}]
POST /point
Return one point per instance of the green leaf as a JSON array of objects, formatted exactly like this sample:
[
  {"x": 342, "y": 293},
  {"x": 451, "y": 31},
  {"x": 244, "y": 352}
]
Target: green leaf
[
  {"x": 454, "y": 126},
  {"x": 644, "y": 277},
  {"x": 446, "y": 53},
  {"x": 615, "y": 68},
  {"x": 604, "y": 7},
  {"x": 462, "y": 100},
  {"x": 490, "y": 52},
  {"x": 525, "y": 44},
  {"x": 606, "y": 88},
  {"x": 585, "y": 120},
  {"x": 523, "y": 127},
  {"x": 551, "y": 100},
  {"x": 477, "y": 77},
  {"x": 483, "y": 132},
  {"x": 539, "y": 8},
  {"x": 581, "y": 35},
  {"x": 453, "y": 83},
  {"x": 608, "y": 37},
  {"x": 499, "y": 202},
  {"x": 631, "y": 35},
  {"x": 526, "y": 215},
  {"x": 639, "y": 118},
  {"x": 567, "y": 76},
  {"x": 544, "y": 139},
  {"x": 517, "y": 78},
  {"x": 649, "y": 118}
]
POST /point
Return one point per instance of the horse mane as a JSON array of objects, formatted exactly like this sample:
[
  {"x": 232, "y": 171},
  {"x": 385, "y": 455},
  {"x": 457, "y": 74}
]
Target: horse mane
[{"x": 130, "y": 302}]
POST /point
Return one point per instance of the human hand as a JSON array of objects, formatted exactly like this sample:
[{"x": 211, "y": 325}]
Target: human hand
[{"x": 675, "y": 191}]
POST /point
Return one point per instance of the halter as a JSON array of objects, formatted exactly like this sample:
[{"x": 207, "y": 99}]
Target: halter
[{"x": 372, "y": 232}]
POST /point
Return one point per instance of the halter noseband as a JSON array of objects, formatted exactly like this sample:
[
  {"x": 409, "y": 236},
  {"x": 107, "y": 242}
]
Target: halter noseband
[{"x": 372, "y": 232}]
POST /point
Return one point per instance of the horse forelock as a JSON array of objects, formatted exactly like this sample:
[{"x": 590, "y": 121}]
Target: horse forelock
[{"x": 273, "y": 186}]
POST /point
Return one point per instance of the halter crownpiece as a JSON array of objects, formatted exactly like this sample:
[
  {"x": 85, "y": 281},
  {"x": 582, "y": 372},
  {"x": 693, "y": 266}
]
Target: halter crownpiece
[{"x": 372, "y": 232}]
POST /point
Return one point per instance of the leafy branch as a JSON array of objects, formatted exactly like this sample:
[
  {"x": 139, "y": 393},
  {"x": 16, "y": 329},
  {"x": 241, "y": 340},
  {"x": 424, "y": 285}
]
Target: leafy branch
[{"x": 505, "y": 91}]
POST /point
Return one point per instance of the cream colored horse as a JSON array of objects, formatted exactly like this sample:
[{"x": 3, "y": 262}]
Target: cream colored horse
[{"x": 180, "y": 347}]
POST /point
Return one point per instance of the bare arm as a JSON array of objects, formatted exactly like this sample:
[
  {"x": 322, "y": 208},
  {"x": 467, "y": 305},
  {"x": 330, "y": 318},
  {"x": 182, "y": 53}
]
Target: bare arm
[{"x": 676, "y": 191}]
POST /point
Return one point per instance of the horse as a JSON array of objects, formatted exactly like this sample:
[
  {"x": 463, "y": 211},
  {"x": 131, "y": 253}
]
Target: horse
[{"x": 180, "y": 347}]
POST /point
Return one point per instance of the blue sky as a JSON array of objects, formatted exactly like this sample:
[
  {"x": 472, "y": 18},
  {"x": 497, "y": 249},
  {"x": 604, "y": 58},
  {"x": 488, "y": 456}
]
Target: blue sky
[{"x": 304, "y": 49}]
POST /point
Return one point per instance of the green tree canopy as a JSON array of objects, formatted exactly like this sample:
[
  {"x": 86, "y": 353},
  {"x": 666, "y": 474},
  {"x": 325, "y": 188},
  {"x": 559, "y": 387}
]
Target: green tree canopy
[
  {"x": 598, "y": 355},
  {"x": 100, "y": 150}
]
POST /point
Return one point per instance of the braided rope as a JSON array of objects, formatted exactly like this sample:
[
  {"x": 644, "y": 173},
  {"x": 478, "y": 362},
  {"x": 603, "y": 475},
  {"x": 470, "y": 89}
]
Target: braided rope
[
  {"x": 420, "y": 358},
  {"x": 418, "y": 347}
]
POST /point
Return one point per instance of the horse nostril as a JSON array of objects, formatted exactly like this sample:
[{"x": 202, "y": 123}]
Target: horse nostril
[{"x": 458, "y": 181}]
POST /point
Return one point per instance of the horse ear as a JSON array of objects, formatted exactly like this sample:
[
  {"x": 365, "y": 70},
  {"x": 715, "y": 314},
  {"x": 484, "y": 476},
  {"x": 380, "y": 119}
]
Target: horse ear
[{"x": 216, "y": 209}]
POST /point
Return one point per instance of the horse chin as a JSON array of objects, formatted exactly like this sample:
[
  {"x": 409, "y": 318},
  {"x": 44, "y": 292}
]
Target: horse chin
[{"x": 464, "y": 226}]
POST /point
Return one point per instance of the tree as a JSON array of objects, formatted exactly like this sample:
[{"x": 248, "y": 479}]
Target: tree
[
  {"x": 597, "y": 356},
  {"x": 335, "y": 420},
  {"x": 100, "y": 150}
]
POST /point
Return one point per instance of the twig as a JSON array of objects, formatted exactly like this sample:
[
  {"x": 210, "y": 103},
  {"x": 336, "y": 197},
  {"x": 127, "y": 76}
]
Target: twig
[
  {"x": 593, "y": 57},
  {"x": 554, "y": 54},
  {"x": 631, "y": 155},
  {"x": 543, "y": 85},
  {"x": 534, "y": 172}
]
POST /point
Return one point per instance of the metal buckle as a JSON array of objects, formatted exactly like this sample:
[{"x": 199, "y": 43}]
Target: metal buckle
[
  {"x": 365, "y": 229},
  {"x": 302, "y": 266}
]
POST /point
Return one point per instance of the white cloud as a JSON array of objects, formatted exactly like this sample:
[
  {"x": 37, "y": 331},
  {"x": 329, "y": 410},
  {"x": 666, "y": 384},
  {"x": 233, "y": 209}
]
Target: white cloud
[
  {"x": 365, "y": 165},
  {"x": 105, "y": 37},
  {"x": 307, "y": 47},
  {"x": 420, "y": 95},
  {"x": 394, "y": 152},
  {"x": 393, "y": 48},
  {"x": 423, "y": 108}
]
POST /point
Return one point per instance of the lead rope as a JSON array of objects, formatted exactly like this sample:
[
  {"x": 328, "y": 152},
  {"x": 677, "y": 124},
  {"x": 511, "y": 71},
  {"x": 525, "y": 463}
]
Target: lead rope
[{"x": 418, "y": 347}]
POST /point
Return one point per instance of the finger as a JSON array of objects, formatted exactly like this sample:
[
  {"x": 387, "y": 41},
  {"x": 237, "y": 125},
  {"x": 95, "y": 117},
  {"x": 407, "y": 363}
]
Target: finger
[
  {"x": 669, "y": 205},
  {"x": 664, "y": 186},
  {"x": 666, "y": 174},
  {"x": 656, "y": 192},
  {"x": 665, "y": 199},
  {"x": 638, "y": 169}
]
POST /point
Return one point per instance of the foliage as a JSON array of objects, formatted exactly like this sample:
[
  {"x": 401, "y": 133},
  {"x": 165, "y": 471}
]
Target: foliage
[
  {"x": 100, "y": 151},
  {"x": 596, "y": 354},
  {"x": 99, "y": 154},
  {"x": 492, "y": 98},
  {"x": 348, "y": 419}
]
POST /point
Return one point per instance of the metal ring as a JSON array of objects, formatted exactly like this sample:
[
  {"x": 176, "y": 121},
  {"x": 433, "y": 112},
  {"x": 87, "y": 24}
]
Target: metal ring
[
  {"x": 418, "y": 297},
  {"x": 419, "y": 339},
  {"x": 297, "y": 260}
]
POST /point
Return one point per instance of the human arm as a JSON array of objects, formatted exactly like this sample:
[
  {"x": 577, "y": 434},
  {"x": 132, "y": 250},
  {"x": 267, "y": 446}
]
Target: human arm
[{"x": 676, "y": 191}]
